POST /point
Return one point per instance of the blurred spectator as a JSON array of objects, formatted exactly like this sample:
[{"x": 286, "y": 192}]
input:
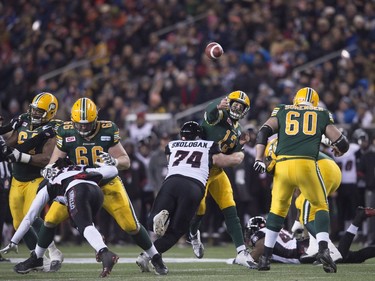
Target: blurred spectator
[
  {"x": 141, "y": 128},
  {"x": 158, "y": 166}
]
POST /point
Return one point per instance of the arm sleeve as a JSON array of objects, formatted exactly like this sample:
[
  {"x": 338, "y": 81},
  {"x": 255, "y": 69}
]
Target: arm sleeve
[
  {"x": 212, "y": 114},
  {"x": 106, "y": 171},
  {"x": 36, "y": 207}
]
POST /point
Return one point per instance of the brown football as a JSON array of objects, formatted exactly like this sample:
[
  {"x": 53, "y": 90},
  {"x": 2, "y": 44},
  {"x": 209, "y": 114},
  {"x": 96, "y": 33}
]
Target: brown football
[{"x": 214, "y": 50}]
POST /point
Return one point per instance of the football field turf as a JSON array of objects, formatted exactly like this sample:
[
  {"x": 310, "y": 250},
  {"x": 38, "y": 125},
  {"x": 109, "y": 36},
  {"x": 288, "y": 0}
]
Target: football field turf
[{"x": 80, "y": 264}]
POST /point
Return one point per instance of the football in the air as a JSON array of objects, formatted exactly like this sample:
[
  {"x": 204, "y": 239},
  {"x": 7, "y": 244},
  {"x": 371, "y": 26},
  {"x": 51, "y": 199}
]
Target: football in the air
[{"x": 214, "y": 50}]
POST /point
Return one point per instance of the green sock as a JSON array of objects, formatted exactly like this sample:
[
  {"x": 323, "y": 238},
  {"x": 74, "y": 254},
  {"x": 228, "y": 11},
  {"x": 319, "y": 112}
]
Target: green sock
[
  {"x": 311, "y": 228},
  {"x": 30, "y": 239},
  {"x": 274, "y": 222},
  {"x": 142, "y": 239},
  {"x": 322, "y": 221},
  {"x": 233, "y": 225},
  {"x": 46, "y": 235},
  {"x": 37, "y": 224}
]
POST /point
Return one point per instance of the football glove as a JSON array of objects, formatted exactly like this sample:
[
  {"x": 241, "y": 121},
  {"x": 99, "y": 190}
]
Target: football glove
[
  {"x": 259, "y": 166},
  {"x": 16, "y": 123},
  {"x": 48, "y": 172},
  {"x": 11, "y": 247},
  {"x": 48, "y": 131},
  {"x": 108, "y": 159},
  {"x": 17, "y": 156}
]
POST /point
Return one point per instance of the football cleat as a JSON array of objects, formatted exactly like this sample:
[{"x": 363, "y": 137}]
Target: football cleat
[
  {"x": 264, "y": 263},
  {"x": 161, "y": 222},
  {"x": 143, "y": 261},
  {"x": 57, "y": 259},
  {"x": 158, "y": 265},
  {"x": 197, "y": 245},
  {"x": 325, "y": 259},
  {"x": 244, "y": 258},
  {"x": 108, "y": 260},
  {"x": 33, "y": 263}
]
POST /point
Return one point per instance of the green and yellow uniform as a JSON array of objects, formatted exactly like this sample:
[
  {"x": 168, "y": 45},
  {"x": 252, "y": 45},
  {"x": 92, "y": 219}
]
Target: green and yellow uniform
[
  {"x": 331, "y": 175},
  {"x": 86, "y": 151},
  {"x": 219, "y": 127},
  {"x": 26, "y": 177},
  {"x": 299, "y": 134}
]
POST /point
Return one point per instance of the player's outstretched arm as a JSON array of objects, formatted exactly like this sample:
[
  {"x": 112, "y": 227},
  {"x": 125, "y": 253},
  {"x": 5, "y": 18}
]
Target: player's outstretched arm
[{"x": 228, "y": 160}]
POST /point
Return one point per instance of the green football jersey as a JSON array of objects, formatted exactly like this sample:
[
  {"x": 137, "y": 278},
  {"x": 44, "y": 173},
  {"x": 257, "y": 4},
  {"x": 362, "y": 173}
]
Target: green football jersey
[
  {"x": 86, "y": 151},
  {"x": 27, "y": 172},
  {"x": 300, "y": 129},
  {"x": 219, "y": 127}
]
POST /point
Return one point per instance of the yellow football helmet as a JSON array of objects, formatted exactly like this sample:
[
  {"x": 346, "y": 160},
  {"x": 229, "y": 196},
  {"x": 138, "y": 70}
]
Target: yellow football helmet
[
  {"x": 84, "y": 116},
  {"x": 306, "y": 96},
  {"x": 43, "y": 108},
  {"x": 270, "y": 155},
  {"x": 239, "y": 104}
]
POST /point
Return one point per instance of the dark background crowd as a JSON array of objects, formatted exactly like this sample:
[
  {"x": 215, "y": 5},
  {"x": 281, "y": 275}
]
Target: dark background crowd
[{"x": 147, "y": 56}]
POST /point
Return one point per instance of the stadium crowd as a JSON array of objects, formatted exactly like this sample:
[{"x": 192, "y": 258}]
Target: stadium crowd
[{"x": 147, "y": 56}]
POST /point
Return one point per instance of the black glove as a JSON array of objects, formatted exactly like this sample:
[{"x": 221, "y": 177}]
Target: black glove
[
  {"x": 48, "y": 131},
  {"x": 15, "y": 123},
  {"x": 259, "y": 166}
]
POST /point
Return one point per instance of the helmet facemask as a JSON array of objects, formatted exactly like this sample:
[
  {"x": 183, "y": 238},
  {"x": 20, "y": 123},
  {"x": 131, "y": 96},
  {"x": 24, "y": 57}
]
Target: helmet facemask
[
  {"x": 37, "y": 115},
  {"x": 85, "y": 128},
  {"x": 237, "y": 110}
]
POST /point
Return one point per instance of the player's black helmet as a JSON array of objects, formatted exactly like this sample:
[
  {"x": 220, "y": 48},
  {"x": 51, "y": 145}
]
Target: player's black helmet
[
  {"x": 253, "y": 225},
  {"x": 191, "y": 130}
]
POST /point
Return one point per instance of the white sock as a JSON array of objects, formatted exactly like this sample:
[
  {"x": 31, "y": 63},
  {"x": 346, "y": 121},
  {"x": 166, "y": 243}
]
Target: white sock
[
  {"x": 94, "y": 238},
  {"x": 352, "y": 229},
  {"x": 322, "y": 236},
  {"x": 270, "y": 239},
  {"x": 52, "y": 247},
  {"x": 152, "y": 251},
  {"x": 39, "y": 251},
  {"x": 241, "y": 248}
]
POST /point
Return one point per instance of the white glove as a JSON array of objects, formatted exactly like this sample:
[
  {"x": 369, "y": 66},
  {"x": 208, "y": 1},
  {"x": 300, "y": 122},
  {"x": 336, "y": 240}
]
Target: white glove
[
  {"x": 259, "y": 166},
  {"x": 12, "y": 247},
  {"x": 48, "y": 172},
  {"x": 17, "y": 156},
  {"x": 108, "y": 159}
]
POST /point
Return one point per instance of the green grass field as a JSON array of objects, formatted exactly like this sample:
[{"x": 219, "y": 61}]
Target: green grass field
[{"x": 80, "y": 265}]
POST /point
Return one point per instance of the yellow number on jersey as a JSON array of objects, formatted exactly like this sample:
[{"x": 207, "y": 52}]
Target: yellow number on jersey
[{"x": 309, "y": 123}]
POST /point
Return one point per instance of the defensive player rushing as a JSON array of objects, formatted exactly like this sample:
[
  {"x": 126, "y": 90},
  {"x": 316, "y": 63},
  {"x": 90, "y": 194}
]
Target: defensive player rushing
[
  {"x": 29, "y": 150},
  {"x": 77, "y": 188},
  {"x": 189, "y": 162},
  {"x": 221, "y": 124},
  {"x": 85, "y": 140},
  {"x": 288, "y": 249},
  {"x": 299, "y": 128}
]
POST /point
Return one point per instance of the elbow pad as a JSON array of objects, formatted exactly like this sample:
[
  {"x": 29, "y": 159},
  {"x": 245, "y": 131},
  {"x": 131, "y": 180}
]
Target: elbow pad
[
  {"x": 264, "y": 133},
  {"x": 342, "y": 144}
]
